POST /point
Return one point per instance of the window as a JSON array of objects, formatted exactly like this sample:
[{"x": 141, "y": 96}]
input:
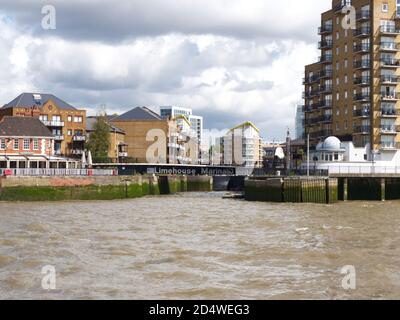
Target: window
[
  {"x": 69, "y": 119},
  {"x": 398, "y": 8},
  {"x": 43, "y": 117},
  {"x": 70, "y": 132},
  {"x": 2, "y": 144},
  {"x": 27, "y": 144},
  {"x": 78, "y": 119},
  {"x": 385, "y": 7},
  {"x": 56, "y": 118},
  {"x": 35, "y": 144},
  {"x": 16, "y": 144}
]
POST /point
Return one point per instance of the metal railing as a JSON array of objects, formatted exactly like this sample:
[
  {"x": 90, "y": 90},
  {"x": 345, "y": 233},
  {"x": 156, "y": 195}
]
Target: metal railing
[
  {"x": 325, "y": 44},
  {"x": 327, "y": 28},
  {"x": 363, "y": 15},
  {"x": 362, "y": 32},
  {"x": 361, "y": 97},
  {"x": 390, "y": 62},
  {"x": 362, "y": 64},
  {"x": 362, "y": 170},
  {"x": 327, "y": 58},
  {"x": 53, "y": 123},
  {"x": 362, "y": 47},
  {"x": 390, "y": 29},
  {"x": 58, "y": 172},
  {"x": 387, "y": 45},
  {"x": 390, "y": 79},
  {"x": 364, "y": 80}
]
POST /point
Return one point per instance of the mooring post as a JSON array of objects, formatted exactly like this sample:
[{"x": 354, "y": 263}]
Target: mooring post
[
  {"x": 345, "y": 189},
  {"x": 383, "y": 189}
]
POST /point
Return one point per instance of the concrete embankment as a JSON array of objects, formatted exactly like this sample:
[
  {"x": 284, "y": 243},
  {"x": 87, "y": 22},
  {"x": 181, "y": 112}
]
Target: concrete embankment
[
  {"x": 13, "y": 188},
  {"x": 296, "y": 190}
]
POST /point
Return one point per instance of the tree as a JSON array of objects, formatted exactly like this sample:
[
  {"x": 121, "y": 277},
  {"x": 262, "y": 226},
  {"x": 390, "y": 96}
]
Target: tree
[{"x": 99, "y": 139}]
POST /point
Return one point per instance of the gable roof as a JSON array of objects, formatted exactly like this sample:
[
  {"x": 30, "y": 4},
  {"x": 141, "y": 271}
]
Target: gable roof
[
  {"x": 139, "y": 113},
  {"x": 90, "y": 121},
  {"x": 27, "y": 100},
  {"x": 245, "y": 124},
  {"x": 23, "y": 127}
]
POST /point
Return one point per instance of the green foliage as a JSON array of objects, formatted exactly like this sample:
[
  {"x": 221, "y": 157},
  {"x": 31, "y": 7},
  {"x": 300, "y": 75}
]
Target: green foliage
[{"x": 99, "y": 140}]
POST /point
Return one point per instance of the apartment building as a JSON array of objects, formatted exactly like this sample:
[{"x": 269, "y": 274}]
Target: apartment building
[
  {"x": 242, "y": 146},
  {"x": 66, "y": 123},
  {"x": 196, "y": 122},
  {"x": 352, "y": 92},
  {"x": 142, "y": 127}
]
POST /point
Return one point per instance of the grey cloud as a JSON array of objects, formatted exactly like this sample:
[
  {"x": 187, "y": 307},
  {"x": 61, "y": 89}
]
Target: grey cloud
[{"x": 113, "y": 21}]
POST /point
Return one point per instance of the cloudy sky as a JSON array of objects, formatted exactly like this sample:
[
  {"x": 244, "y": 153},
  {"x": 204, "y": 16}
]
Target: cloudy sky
[{"x": 229, "y": 60}]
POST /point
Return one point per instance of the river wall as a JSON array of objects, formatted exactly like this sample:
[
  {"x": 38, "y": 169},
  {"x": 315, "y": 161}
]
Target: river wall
[
  {"x": 295, "y": 190},
  {"x": 15, "y": 188}
]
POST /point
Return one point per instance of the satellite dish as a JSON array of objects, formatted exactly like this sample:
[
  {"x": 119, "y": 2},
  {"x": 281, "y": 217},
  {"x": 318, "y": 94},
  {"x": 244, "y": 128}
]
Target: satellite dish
[{"x": 279, "y": 153}]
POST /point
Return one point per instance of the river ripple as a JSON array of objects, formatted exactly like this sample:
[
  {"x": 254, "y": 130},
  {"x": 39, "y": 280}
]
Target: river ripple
[{"x": 199, "y": 246}]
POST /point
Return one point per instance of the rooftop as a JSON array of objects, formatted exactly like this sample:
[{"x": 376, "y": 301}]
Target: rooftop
[
  {"x": 139, "y": 113},
  {"x": 27, "y": 100},
  {"x": 23, "y": 127}
]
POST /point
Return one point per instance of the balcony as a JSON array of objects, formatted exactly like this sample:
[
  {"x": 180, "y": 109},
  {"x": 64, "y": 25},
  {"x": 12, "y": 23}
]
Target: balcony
[
  {"x": 59, "y": 137},
  {"x": 390, "y": 63},
  {"x": 362, "y": 129},
  {"x": 79, "y": 138},
  {"x": 324, "y": 119},
  {"x": 389, "y": 46},
  {"x": 362, "y": 32},
  {"x": 390, "y": 79},
  {"x": 361, "y": 48},
  {"x": 77, "y": 152},
  {"x": 389, "y": 113},
  {"x": 325, "y": 59},
  {"x": 389, "y": 145},
  {"x": 362, "y": 64},
  {"x": 389, "y": 129},
  {"x": 314, "y": 106},
  {"x": 390, "y": 96},
  {"x": 339, "y": 8},
  {"x": 361, "y": 113},
  {"x": 311, "y": 94},
  {"x": 325, "y": 29},
  {"x": 389, "y": 30},
  {"x": 53, "y": 123},
  {"x": 362, "y": 81},
  {"x": 325, "y": 89},
  {"x": 311, "y": 79},
  {"x": 325, "y": 74},
  {"x": 363, "y": 15},
  {"x": 325, "y": 104},
  {"x": 362, "y": 97},
  {"x": 326, "y": 44}
]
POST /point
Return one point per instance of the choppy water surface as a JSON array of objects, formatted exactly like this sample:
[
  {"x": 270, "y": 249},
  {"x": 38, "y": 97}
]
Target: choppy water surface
[{"x": 198, "y": 246}]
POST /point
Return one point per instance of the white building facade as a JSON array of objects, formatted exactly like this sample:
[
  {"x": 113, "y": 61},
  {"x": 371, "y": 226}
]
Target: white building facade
[
  {"x": 242, "y": 146},
  {"x": 338, "y": 157},
  {"x": 196, "y": 122}
]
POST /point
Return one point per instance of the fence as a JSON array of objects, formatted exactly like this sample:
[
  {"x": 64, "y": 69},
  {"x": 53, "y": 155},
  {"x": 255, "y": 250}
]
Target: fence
[
  {"x": 362, "y": 170},
  {"x": 58, "y": 172}
]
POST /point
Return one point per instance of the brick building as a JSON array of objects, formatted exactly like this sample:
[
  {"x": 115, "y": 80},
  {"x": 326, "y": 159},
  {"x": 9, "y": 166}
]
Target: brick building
[{"x": 65, "y": 122}]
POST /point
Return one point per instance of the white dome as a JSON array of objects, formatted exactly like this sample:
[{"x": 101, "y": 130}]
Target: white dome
[
  {"x": 332, "y": 144},
  {"x": 320, "y": 146}
]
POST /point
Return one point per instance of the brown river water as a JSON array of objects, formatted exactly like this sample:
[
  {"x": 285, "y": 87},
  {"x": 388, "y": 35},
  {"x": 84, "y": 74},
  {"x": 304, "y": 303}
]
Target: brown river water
[{"x": 199, "y": 246}]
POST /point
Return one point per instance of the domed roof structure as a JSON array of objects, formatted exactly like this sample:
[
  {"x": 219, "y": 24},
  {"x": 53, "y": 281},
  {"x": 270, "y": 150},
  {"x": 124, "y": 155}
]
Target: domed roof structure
[{"x": 332, "y": 144}]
